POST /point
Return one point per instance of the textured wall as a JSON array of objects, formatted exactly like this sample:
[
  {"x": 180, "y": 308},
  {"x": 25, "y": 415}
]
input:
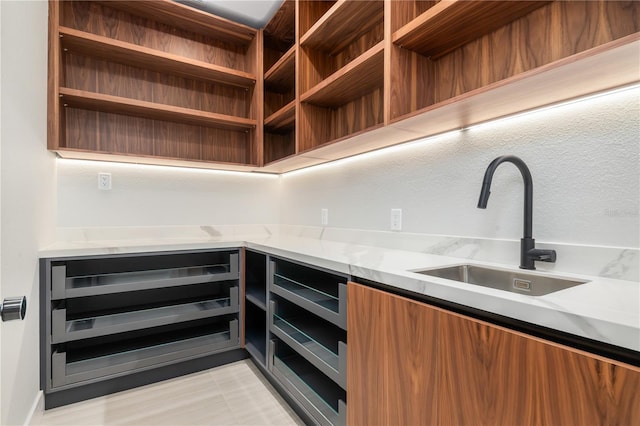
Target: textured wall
[
  {"x": 27, "y": 193},
  {"x": 583, "y": 158},
  {"x": 153, "y": 196}
]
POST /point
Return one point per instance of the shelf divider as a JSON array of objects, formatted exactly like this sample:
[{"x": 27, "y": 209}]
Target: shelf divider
[
  {"x": 144, "y": 57},
  {"x": 451, "y": 23},
  {"x": 353, "y": 80},
  {"x": 119, "y": 105}
]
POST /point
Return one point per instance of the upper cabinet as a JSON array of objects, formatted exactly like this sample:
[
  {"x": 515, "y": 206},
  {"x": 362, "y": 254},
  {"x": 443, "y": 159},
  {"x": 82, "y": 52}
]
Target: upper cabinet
[
  {"x": 156, "y": 80},
  {"x": 442, "y": 53},
  {"x": 341, "y": 70},
  {"x": 161, "y": 82},
  {"x": 280, "y": 84}
]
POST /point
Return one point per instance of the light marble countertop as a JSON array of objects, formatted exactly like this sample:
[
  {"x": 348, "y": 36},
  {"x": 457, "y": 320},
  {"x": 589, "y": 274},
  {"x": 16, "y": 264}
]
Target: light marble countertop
[{"x": 603, "y": 309}]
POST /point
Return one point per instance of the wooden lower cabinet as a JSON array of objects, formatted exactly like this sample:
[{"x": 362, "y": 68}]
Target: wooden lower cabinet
[{"x": 410, "y": 363}]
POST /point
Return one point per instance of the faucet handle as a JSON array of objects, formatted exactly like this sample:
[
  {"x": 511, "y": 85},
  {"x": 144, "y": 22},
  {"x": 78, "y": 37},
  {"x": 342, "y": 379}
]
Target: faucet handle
[{"x": 542, "y": 255}]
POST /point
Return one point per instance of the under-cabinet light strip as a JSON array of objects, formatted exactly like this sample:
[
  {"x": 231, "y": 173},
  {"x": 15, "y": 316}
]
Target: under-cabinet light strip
[
  {"x": 550, "y": 107},
  {"x": 449, "y": 135},
  {"x": 159, "y": 167}
]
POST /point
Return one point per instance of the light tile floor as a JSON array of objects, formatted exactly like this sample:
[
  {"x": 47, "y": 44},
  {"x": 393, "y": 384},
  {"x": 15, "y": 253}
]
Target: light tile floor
[{"x": 233, "y": 394}]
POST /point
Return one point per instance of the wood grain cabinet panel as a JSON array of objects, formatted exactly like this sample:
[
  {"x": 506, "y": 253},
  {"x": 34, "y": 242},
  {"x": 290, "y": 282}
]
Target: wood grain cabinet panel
[
  {"x": 391, "y": 359},
  {"x": 367, "y": 379},
  {"x": 410, "y": 363},
  {"x": 411, "y": 354}
]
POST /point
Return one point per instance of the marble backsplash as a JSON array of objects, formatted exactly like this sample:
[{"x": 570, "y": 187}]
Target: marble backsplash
[{"x": 609, "y": 262}]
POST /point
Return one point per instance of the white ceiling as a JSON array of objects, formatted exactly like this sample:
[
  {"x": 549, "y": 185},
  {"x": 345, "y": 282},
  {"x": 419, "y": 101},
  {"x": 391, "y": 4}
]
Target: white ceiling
[{"x": 255, "y": 13}]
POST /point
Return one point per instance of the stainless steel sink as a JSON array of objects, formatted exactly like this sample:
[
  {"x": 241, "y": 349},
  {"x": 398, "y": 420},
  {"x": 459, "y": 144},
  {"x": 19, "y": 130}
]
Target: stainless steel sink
[{"x": 503, "y": 279}]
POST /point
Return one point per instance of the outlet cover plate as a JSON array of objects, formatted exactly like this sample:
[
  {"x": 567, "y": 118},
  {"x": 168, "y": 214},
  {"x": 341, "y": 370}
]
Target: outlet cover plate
[
  {"x": 104, "y": 181},
  {"x": 396, "y": 219}
]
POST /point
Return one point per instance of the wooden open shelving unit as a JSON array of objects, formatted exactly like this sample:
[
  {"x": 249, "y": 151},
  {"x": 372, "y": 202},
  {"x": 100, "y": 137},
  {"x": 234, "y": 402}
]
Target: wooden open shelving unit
[
  {"x": 280, "y": 52},
  {"x": 165, "y": 83},
  {"x": 158, "y": 80},
  {"x": 341, "y": 70}
]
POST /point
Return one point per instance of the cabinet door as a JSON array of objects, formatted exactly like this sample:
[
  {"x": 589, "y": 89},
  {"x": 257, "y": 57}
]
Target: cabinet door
[
  {"x": 366, "y": 366},
  {"x": 489, "y": 375},
  {"x": 410, "y": 363},
  {"x": 391, "y": 359}
]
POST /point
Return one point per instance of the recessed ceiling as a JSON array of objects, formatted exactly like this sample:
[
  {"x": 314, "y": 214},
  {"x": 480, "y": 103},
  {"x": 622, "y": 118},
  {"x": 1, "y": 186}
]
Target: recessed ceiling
[{"x": 255, "y": 13}]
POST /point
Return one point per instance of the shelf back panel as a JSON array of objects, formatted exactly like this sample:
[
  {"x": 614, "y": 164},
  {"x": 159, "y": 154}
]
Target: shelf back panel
[
  {"x": 96, "y": 18},
  {"x": 121, "y": 134}
]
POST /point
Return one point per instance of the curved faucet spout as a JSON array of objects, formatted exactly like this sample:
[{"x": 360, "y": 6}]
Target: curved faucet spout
[
  {"x": 528, "y": 253},
  {"x": 528, "y": 188}
]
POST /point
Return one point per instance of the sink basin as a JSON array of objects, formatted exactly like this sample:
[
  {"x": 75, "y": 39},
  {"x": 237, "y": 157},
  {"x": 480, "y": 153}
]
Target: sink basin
[{"x": 503, "y": 279}]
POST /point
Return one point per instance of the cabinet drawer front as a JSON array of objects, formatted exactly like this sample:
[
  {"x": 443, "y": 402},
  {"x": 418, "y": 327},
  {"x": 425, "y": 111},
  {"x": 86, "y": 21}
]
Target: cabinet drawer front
[
  {"x": 320, "y": 397},
  {"x": 67, "y": 371},
  {"x": 321, "y": 343},
  {"x": 322, "y": 293},
  {"x": 64, "y": 330},
  {"x": 67, "y": 284}
]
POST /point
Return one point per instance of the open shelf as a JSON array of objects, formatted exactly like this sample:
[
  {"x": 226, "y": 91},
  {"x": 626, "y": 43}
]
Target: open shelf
[
  {"x": 450, "y": 24},
  {"x": 357, "y": 78},
  {"x": 137, "y": 355},
  {"x": 118, "y": 105},
  {"x": 256, "y": 297},
  {"x": 88, "y": 327},
  {"x": 345, "y": 22},
  {"x": 322, "y": 344},
  {"x": 256, "y": 278},
  {"x": 144, "y": 57},
  {"x": 283, "y": 119},
  {"x": 280, "y": 53},
  {"x": 320, "y": 293},
  {"x": 280, "y": 77},
  {"x": 175, "y": 14},
  {"x": 255, "y": 335},
  {"x": 109, "y": 283},
  {"x": 318, "y": 394}
]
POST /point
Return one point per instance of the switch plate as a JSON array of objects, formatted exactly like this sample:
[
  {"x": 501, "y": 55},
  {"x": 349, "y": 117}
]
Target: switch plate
[
  {"x": 324, "y": 217},
  {"x": 104, "y": 181},
  {"x": 396, "y": 219}
]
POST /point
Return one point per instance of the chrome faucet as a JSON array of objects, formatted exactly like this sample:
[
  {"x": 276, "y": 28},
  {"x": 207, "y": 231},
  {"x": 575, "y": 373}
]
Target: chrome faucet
[{"x": 528, "y": 251}]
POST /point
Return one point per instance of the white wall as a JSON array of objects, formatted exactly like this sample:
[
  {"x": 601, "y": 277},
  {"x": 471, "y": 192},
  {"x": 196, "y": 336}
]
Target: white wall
[
  {"x": 27, "y": 195},
  {"x": 156, "y": 196},
  {"x": 583, "y": 158}
]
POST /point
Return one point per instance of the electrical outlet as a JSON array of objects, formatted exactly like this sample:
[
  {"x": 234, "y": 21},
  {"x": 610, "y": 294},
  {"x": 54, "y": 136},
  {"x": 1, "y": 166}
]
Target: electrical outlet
[
  {"x": 396, "y": 219},
  {"x": 104, "y": 181},
  {"x": 324, "y": 217}
]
